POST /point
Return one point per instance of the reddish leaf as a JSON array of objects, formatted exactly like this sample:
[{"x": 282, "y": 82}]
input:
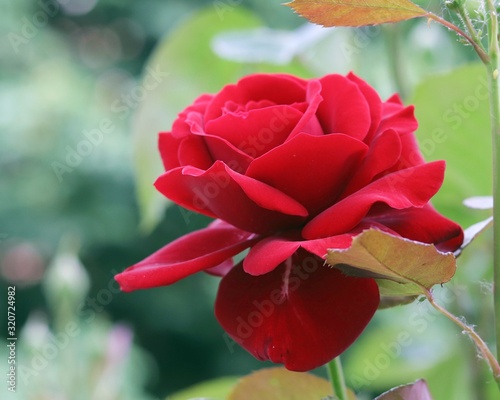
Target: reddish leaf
[
  {"x": 413, "y": 391},
  {"x": 356, "y": 12}
]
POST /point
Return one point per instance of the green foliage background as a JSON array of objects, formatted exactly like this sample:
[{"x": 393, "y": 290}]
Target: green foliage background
[{"x": 64, "y": 74}]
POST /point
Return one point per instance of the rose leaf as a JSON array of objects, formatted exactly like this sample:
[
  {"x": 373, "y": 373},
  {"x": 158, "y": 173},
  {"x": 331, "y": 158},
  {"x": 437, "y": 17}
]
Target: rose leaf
[
  {"x": 414, "y": 391},
  {"x": 279, "y": 383},
  {"x": 414, "y": 266},
  {"x": 216, "y": 389},
  {"x": 357, "y": 12}
]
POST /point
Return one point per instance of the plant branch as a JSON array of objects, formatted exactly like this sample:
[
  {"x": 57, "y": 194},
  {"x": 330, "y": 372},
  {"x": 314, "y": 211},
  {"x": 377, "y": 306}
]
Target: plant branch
[
  {"x": 494, "y": 91},
  {"x": 477, "y": 46},
  {"x": 464, "y": 15},
  {"x": 479, "y": 342}
]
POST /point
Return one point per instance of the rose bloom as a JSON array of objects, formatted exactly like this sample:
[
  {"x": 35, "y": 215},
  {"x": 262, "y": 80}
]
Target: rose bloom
[{"x": 289, "y": 168}]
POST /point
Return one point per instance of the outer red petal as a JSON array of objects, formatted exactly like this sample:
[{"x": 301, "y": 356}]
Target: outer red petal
[
  {"x": 169, "y": 150},
  {"x": 268, "y": 253},
  {"x": 240, "y": 200},
  {"x": 193, "y": 151},
  {"x": 197, "y": 251},
  {"x": 412, "y": 187},
  {"x": 310, "y": 169},
  {"x": 423, "y": 225},
  {"x": 399, "y": 118},
  {"x": 302, "y": 314}
]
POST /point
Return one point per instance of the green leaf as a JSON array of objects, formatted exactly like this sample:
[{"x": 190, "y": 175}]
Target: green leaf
[
  {"x": 185, "y": 67},
  {"x": 217, "y": 389},
  {"x": 356, "y": 12},
  {"x": 453, "y": 114},
  {"x": 390, "y": 295},
  {"x": 414, "y": 391},
  {"x": 415, "y": 266},
  {"x": 278, "y": 384}
]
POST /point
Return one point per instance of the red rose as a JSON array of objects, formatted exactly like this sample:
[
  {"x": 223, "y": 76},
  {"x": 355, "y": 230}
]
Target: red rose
[{"x": 289, "y": 168}]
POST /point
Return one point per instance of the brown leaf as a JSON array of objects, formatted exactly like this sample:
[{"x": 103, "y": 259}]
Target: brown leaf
[
  {"x": 356, "y": 12},
  {"x": 414, "y": 266}
]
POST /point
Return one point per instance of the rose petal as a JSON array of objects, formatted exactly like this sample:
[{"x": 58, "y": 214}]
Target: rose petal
[
  {"x": 222, "y": 150},
  {"x": 268, "y": 253},
  {"x": 394, "y": 99},
  {"x": 193, "y": 151},
  {"x": 410, "y": 153},
  {"x": 169, "y": 150},
  {"x": 374, "y": 103},
  {"x": 401, "y": 119},
  {"x": 344, "y": 108},
  {"x": 309, "y": 122},
  {"x": 222, "y": 193},
  {"x": 302, "y": 314},
  {"x": 412, "y": 187},
  {"x": 222, "y": 269},
  {"x": 181, "y": 127},
  {"x": 421, "y": 224},
  {"x": 257, "y": 131},
  {"x": 276, "y": 88},
  {"x": 318, "y": 246},
  {"x": 310, "y": 169},
  {"x": 383, "y": 153},
  {"x": 197, "y": 251}
]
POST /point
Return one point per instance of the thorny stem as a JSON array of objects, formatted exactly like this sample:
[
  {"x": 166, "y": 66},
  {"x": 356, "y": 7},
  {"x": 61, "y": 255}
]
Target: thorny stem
[
  {"x": 481, "y": 345},
  {"x": 464, "y": 15},
  {"x": 477, "y": 46},
  {"x": 493, "y": 68}
]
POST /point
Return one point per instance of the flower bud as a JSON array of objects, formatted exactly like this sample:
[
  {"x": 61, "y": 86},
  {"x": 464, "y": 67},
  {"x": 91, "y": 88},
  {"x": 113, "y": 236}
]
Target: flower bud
[
  {"x": 454, "y": 5},
  {"x": 66, "y": 282}
]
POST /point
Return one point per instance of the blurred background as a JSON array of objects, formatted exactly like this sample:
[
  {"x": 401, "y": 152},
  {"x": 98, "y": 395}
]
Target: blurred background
[{"x": 85, "y": 86}]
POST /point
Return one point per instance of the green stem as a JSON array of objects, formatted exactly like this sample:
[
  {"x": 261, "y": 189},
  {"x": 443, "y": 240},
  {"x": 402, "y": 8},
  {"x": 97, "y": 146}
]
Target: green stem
[
  {"x": 393, "y": 40},
  {"x": 493, "y": 69},
  {"x": 479, "y": 342},
  {"x": 464, "y": 15},
  {"x": 336, "y": 376}
]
